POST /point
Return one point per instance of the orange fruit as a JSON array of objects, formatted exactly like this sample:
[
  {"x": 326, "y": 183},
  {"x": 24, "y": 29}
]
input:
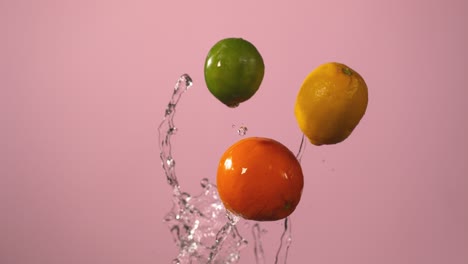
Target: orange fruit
[
  {"x": 331, "y": 102},
  {"x": 259, "y": 179}
]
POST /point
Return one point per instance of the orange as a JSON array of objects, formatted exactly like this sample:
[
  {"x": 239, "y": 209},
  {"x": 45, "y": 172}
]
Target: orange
[
  {"x": 259, "y": 179},
  {"x": 330, "y": 103}
]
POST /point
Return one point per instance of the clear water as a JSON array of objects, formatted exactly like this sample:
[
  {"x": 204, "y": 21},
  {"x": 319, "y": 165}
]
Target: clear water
[
  {"x": 201, "y": 228},
  {"x": 242, "y": 130}
]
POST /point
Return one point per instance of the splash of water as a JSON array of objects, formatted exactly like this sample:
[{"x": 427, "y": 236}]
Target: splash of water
[
  {"x": 201, "y": 227},
  {"x": 167, "y": 129}
]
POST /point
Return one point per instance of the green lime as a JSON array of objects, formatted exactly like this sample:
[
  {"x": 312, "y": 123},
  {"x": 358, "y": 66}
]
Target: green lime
[{"x": 234, "y": 70}]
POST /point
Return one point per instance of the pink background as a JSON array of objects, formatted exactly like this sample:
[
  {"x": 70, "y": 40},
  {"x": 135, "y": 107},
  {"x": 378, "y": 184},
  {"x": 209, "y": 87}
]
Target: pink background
[{"x": 84, "y": 85}]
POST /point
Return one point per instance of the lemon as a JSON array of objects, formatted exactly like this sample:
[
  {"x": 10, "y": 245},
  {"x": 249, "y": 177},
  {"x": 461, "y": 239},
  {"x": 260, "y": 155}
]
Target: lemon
[{"x": 330, "y": 103}]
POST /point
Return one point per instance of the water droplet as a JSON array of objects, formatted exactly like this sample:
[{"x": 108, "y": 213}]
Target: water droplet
[
  {"x": 233, "y": 258},
  {"x": 169, "y": 217},
  {"x": 187, "y": 79},
  {"x": 233, "y": 105},
  {"x": 242, "y": 130},
  {"x": 170, "y": 162},
  {"x": 170, "y": 108},
  {"x": 175, "y": 232},
  {"x": 204, "y": 182},
  {"x": 185, "y": 196},
  {"x": 171, "y": 181},
  {"x": 172, "y": 130},
  {"x": 243, "y": 243}
]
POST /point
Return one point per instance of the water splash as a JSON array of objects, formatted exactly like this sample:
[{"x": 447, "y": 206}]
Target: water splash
[
  {"x": 200, "y": 226},
  {"x": 167, "y": 129}
]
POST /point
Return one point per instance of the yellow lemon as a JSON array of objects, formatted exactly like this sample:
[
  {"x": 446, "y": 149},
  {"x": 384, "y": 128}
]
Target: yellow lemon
[{"x": 330, "y": 103}]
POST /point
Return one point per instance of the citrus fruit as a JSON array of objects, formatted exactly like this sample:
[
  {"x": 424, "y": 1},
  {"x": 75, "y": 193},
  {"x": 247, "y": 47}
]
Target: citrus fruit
[
  {"x": 233, "y": 71},
  {"x": 330, "y": 103},
  {"x": 259, "y": 179}
]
